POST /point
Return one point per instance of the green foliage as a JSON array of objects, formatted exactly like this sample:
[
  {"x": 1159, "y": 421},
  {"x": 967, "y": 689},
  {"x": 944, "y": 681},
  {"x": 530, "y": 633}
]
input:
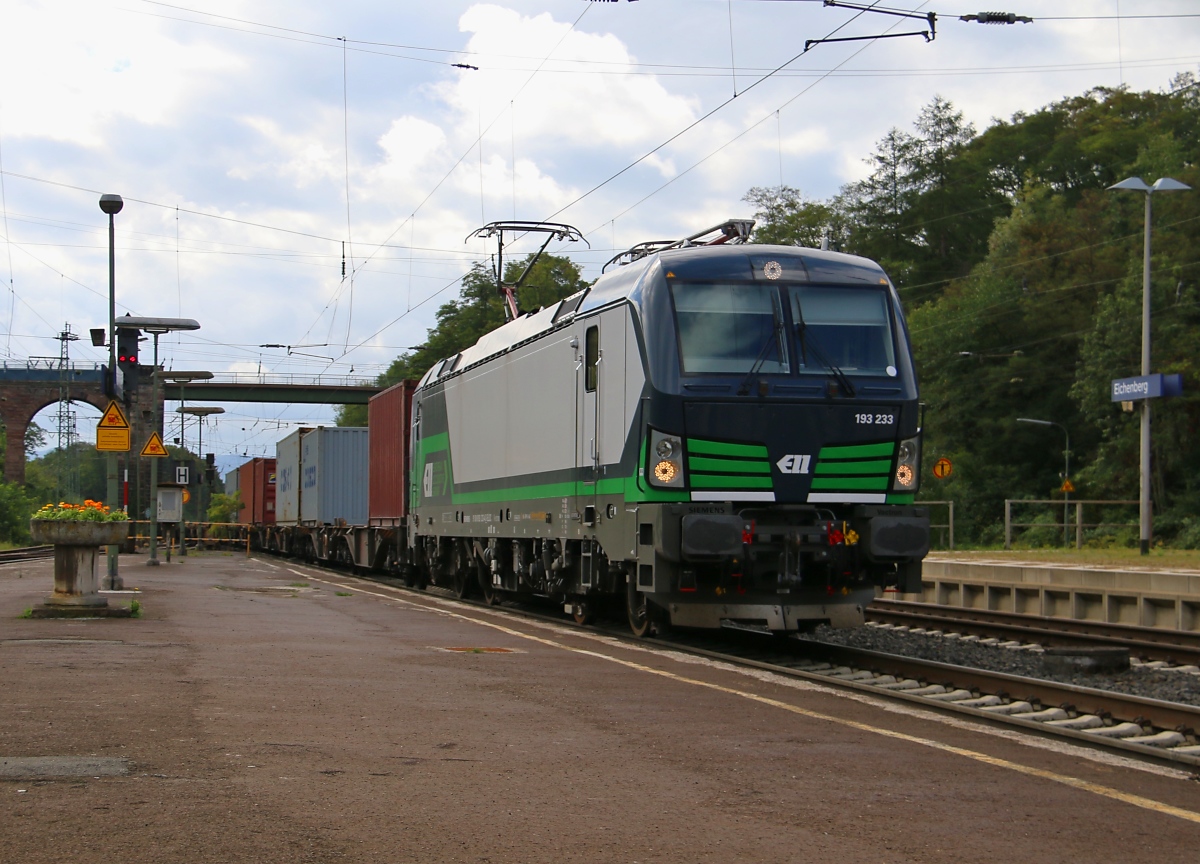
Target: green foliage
[
  {"x": 783, "y": 217},
  {"x": 225, "y": 508},
  {"x": 42, "y": 474},
  {"x": 15, "y": 508},
  {"x": 1023, "y": 281},
  {"x": 135, "y": 609},
  {"x": 477, "y": 310}
]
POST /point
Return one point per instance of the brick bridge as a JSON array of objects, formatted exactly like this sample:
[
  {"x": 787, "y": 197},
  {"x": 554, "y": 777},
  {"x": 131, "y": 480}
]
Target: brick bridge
[{"x": 27, "y": 389}]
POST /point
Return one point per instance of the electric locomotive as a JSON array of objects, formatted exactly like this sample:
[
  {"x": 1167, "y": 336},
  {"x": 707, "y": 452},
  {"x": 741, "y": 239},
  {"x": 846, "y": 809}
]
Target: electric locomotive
[{"x": 714, "y": 434}]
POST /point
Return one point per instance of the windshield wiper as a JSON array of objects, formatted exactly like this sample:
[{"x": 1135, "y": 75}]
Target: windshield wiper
[
  {"x": 744, "y": 387},
  {"x": 842, "y": 379}
]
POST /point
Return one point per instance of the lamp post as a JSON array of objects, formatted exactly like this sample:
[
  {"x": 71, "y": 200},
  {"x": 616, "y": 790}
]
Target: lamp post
[
  {"x": 1137, "y": 184},
  {"x": 200, "y": 411},
  {"x": 1066, "y": 469},
  {"x": 182, "y": 378},
  {"x": 156, "y": 327},
  {"x": 112, "y": 204}
]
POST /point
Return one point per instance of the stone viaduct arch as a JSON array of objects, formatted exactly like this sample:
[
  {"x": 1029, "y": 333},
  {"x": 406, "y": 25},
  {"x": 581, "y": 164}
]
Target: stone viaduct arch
[{"x": 26, "y": 391}]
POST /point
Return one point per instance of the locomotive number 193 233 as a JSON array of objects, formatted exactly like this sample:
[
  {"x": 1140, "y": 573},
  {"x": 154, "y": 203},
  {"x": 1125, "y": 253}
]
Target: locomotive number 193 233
[{"x": 875, "y": 419}]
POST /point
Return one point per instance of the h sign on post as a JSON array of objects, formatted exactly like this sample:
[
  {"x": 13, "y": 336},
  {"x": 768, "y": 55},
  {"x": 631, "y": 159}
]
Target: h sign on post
[{"x": 181, "y": 475}]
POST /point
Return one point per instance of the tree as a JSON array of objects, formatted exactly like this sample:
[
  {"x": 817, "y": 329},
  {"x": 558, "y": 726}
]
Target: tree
[
  {"x": 784, "y": 218},
  {"x": 225, "y": 508},
  {"x": 15, "y": 510},
  {"x": 878, "y": 206},
  {"x": 1022, "y": 280}
]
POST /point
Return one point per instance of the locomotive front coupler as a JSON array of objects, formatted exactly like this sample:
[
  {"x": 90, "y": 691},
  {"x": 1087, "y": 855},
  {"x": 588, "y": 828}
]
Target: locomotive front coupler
[{"x": 722, "y": 536}]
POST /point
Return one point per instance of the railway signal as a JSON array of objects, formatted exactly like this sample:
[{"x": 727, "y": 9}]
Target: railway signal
[{"x": 127, "y": 359}]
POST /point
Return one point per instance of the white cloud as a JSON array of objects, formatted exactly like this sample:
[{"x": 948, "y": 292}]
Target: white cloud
[
  {"x": 580, "y": 108},
  {"x": 95, "y": 68}
]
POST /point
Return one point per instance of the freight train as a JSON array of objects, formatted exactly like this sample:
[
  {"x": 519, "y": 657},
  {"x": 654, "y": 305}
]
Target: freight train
[{"x": 713, "y": 434}]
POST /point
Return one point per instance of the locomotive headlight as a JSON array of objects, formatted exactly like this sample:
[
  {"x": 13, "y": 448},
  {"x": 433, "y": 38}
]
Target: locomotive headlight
[
  {"x": 665, "y": 466},
  {"x": 908, "y": 465}
]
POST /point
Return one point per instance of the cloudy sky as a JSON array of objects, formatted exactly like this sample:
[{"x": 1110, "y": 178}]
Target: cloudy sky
[{"x": 262, "y": 146}]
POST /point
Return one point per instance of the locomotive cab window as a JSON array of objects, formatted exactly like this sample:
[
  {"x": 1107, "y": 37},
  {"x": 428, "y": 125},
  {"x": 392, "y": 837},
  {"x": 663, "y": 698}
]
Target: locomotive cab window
[
  {"x": 592, "y": 358},
  {"x": 845, "y": 327},
  {"x": 727, "y": 328}
]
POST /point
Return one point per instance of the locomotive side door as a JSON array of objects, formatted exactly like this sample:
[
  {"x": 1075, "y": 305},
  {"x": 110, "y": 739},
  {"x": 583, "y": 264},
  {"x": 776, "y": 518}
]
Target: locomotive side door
[{"x": 587, "y": 447}]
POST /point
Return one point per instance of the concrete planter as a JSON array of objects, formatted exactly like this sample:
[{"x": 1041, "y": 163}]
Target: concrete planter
[
  {"x": 76, "y": 544},
  {"x": 63, "y": 532}
]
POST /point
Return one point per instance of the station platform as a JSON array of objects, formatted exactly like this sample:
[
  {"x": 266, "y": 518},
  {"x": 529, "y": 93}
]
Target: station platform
[
  {"x": 265, "y": 711},
  {"x": 1147, "y": 596}
]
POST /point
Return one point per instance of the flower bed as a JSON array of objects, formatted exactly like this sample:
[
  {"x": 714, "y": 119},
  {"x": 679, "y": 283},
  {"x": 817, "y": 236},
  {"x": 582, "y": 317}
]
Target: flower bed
[
  {"x": 88, "y": 511},
  {"x": 86, "y": 524}
]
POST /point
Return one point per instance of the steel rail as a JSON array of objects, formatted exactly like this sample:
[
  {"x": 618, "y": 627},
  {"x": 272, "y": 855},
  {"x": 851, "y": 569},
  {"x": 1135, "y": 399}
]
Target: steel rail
[
  {"x": 1038, "y": 691},
  {"x": 1151, "y": 643},
  {"x": 26, "y": 553}
]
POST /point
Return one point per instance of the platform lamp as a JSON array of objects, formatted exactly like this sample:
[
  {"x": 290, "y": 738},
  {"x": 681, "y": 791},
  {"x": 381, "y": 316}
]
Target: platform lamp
[
  {"x": 199, "y": 411},
  {"x": 1066, "y": 469},
  {"x": 156, "y": 327},
  {"x": 112, "y": 204},
  {"x": 1137, "y": 184}
]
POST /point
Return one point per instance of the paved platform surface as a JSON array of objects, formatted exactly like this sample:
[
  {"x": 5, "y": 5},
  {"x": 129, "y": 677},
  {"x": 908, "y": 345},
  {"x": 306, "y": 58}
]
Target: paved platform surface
[{"x": 267, "y": 712}]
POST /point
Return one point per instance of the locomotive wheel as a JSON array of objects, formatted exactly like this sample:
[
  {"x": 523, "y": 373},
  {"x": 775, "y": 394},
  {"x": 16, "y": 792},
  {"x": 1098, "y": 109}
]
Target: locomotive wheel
[
  {"x": 638, "y": 609},
  {"x": 491, "y": 594},
  {"x": 464, "y": 571}
]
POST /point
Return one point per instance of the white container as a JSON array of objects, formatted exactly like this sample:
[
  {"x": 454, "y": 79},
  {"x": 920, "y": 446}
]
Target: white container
[
  {"x": 333, "y": 476},
  {"x": 231, "y": 481},
  {"x": 287, "y": 483}
]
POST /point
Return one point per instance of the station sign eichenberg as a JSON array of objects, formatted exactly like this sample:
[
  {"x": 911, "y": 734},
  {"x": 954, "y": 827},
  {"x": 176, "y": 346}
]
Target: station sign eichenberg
[{"x": 1146, "y": 387}]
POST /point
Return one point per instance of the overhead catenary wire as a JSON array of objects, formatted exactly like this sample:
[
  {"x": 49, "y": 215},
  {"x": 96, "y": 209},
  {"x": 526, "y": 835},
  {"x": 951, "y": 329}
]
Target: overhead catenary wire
[
  {"x": 611, "y": 222},
  {"x": 326, "y": 40},
  {"x": 692, "y": 125}
]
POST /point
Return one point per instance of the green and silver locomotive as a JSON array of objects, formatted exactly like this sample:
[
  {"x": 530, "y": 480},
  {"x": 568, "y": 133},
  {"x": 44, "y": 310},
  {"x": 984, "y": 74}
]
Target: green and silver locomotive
[{"x": 713, "y": 434}]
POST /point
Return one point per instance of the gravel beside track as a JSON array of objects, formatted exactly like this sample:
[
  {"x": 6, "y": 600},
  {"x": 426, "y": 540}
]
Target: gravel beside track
[{"x": 1169, "y": 686}]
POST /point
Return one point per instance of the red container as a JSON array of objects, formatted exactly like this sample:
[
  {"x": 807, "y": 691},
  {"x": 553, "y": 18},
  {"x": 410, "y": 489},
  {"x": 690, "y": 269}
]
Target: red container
[
  {"x": 389, "y": 416},
  {"x": 256, "y": 482}
]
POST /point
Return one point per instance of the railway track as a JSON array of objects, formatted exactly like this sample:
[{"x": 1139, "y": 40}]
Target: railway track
[
  {"x": 27, "y": 553},
  {"x": 1148, "y": 728},
  {"x": 1153, "y": 644}
]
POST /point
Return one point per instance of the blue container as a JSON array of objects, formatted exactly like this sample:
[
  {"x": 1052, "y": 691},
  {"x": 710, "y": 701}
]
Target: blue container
[{"x": 334, "y": 475}]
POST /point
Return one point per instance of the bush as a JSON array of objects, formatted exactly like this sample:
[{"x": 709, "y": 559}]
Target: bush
[{"x": 14, "y": 514}]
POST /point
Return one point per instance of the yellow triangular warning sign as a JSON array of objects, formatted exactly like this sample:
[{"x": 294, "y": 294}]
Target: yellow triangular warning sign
[
  {"x": 1067, "y": 487},
  {"x": 154, "y": 447},
  {"x": 114, "y": 417}
]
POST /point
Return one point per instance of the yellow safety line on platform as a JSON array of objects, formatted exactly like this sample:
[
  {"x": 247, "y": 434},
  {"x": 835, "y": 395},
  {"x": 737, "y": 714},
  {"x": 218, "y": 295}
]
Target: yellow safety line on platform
[{"x": 1065, "y": 779}]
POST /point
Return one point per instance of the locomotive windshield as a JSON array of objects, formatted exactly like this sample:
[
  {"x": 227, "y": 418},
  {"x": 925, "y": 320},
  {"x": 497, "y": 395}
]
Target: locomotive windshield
[
  {"x": 731, "y": 328},
  {"x": 727, "y": 328},
  {"x": 849, "y": 328}
]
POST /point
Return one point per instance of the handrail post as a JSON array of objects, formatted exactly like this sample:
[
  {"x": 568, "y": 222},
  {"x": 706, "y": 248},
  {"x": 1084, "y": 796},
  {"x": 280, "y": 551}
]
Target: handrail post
[
  {"x": 1078, "y": 524},
  {"x": 951, "y": 503},
  {"x": 1007, "y": 523}
]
